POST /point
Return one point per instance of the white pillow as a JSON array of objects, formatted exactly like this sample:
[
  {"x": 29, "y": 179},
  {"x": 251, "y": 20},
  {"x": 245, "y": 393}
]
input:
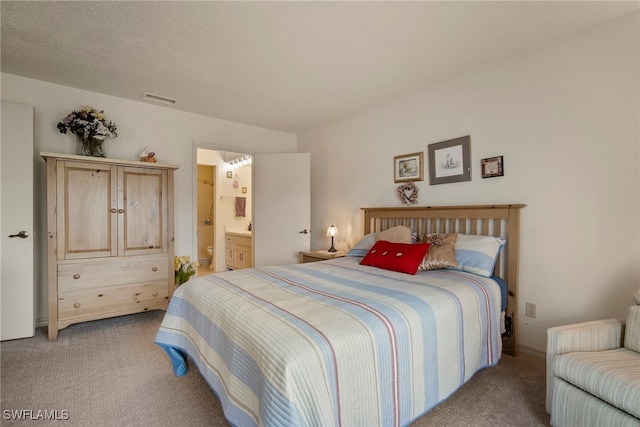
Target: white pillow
[
  {"x": 361, "y": 248},
  {"x": 478, "y": 254}
]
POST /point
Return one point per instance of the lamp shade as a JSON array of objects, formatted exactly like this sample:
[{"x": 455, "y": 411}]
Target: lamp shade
[{"x": 332, "y": 231}]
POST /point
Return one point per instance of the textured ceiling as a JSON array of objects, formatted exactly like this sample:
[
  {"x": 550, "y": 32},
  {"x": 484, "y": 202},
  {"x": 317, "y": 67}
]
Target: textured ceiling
[{"x": 280, "y": 65}]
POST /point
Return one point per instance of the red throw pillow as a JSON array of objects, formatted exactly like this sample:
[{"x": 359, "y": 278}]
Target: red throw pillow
[{"x": 401, "y": 257}]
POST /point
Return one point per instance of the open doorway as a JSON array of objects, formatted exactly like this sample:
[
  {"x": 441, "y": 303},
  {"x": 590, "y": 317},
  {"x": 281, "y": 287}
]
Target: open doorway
[
  {"x": 223, "y": 205},
  {"x": 206, "y": 192}
]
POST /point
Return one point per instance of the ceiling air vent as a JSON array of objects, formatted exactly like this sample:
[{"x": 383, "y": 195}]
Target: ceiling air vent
[{"x": 157, "y": 98}]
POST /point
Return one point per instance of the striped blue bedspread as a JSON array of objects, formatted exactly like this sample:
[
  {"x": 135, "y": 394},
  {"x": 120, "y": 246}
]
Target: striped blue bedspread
[{"x": 333, "y": 343}]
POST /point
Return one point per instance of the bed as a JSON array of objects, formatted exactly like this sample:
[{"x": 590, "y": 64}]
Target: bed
[{"x": 337, "y": 343}]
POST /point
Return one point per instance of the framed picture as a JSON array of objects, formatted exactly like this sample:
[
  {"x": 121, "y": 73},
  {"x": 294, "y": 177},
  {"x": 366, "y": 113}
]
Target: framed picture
[
  {"x": 244, "y": 190},
  {"x": 229, "y": 174},
  {"x": 409, "y": 167},
  {"x": 449, "y": 161},
  {"x": 493, "y": 166}
]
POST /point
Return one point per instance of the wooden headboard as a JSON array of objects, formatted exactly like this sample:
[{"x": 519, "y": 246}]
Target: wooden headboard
[{"x": 492, "y": 220}]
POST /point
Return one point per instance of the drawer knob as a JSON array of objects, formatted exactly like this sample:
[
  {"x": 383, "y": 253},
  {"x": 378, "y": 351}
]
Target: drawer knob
[
  {"x": 113, "y": 210},
  {"x": 76, "y": 305},
  {"x": 120, "y": 210},
  {"x": 76, "y": 276},
  {"x": 154, "y": 268},
  {"x": 155, "y": 294}
]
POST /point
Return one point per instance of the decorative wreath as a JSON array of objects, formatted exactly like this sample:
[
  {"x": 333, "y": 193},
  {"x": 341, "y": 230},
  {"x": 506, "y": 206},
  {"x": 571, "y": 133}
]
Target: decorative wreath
[{"x": 408, "y": 193}]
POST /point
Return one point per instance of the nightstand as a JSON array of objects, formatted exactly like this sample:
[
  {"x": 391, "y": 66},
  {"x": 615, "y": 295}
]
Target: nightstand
[{"x": 313, "y": 256}]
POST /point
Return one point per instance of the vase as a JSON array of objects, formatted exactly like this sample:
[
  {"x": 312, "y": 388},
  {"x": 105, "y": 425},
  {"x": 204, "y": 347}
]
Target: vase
[{"x": 91, "y": 147}]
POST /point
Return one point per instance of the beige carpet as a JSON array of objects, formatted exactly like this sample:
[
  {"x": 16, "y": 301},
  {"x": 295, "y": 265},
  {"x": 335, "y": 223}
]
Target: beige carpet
[{"x": 110, "y": 373}]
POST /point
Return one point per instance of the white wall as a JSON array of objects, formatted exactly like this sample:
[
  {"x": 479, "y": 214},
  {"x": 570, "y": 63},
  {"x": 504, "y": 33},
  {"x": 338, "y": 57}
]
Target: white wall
[
  {"x": 565, "y": 116},
  {"x": 169, "y": 133}
]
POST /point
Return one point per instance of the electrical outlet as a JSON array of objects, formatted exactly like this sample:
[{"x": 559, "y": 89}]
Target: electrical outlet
[{"x": 530, "y": 310}]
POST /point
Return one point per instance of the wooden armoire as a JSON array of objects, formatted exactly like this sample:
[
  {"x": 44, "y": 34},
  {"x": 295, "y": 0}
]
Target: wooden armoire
[{"x": 110, "y": 238}]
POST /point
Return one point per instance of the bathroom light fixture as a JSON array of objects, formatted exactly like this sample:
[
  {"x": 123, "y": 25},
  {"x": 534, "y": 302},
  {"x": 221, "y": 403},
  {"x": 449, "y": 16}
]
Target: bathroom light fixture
[
  {"x": 332, "y": 231},
  {"x": 240, "y": 161}
]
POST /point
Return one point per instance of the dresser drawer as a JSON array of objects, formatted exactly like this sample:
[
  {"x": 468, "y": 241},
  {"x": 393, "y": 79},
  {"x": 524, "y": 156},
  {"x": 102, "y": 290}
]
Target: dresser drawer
[
  {"x": 78, "y": 276},
  {"x": 113, "y": 299}
]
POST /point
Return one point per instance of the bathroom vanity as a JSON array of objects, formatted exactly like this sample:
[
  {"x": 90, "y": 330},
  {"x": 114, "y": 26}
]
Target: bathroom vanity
[{"x": 238, "y": 249}]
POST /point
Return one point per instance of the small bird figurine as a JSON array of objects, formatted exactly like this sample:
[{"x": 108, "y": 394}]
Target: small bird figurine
[{"x": 147, "y": 156}]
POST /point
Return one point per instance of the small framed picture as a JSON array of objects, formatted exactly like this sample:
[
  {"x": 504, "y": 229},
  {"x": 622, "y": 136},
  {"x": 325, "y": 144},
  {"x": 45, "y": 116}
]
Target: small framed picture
[
  {"x": 229, "y": 174},
  {"x": 450, "y": 161},
  {"x": 244, "y": 190},
  {"x": 492, "y": 167},
  {"x": 409, "y": 167}
]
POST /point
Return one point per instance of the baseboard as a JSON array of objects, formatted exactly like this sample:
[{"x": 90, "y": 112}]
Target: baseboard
[
  {"x": 532, "y": 352},
  {"x": 43, "y": 321}
]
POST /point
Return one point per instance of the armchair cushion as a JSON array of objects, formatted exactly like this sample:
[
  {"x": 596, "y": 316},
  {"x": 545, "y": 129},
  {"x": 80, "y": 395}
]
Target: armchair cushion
[
  {"x": 580, "y": 408},
  {"x": 611, "y": 375}
]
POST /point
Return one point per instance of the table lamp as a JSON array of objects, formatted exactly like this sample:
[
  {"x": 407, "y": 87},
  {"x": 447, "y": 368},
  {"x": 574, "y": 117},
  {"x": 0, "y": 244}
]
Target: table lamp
[{"x": 331, "y": 231}]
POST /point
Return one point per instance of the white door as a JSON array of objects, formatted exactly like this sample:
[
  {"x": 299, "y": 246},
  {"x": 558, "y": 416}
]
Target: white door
[
  {"x": 281, "y": 207},
  {"x": 16, "y": 219}
]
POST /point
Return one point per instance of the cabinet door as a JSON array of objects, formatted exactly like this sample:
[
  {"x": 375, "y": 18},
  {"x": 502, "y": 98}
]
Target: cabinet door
[
  {"x": 241, "y": 256},
  {"x": 85, "y": 202},
  {"x": 229, "y": 255},
  {"x": 237, "y": 257},
  {"x": 142, "y": 211},
  {"x": 246, "y": 257}
]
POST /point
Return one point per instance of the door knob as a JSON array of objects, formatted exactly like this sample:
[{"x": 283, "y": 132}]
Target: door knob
[
  {"x": 303, "y": 231},
  {"x": 23, "y": 235}
]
